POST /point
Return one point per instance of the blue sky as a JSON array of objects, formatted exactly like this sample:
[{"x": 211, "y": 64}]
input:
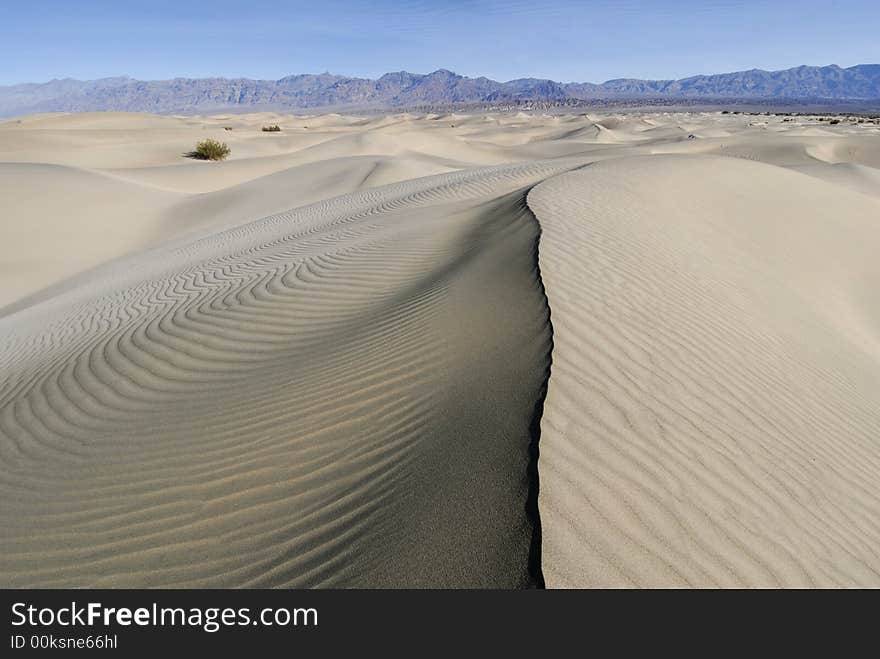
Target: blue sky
[{"x": 564, "y": 40}]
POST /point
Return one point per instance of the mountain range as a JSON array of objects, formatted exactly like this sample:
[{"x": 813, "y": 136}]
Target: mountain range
[{"x": 440, "y": 88}]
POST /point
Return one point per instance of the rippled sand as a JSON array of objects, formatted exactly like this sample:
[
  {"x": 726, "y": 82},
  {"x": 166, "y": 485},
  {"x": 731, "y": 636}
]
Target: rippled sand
[{"x": 324, "y": 361}]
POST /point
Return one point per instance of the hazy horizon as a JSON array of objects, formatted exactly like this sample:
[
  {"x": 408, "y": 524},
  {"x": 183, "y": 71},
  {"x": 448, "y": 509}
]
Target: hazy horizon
[{"x": 560, "y": 40}]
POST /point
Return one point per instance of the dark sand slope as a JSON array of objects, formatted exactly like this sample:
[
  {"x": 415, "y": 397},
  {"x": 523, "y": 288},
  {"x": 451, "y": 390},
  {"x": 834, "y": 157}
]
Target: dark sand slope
[
  {"x": 337, "y": 396},
  {"x": 713, "y": 412}
]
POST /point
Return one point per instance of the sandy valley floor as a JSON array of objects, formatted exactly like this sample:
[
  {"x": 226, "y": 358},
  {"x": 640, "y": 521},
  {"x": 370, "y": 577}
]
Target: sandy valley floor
[{"x": 484, "y": 350}]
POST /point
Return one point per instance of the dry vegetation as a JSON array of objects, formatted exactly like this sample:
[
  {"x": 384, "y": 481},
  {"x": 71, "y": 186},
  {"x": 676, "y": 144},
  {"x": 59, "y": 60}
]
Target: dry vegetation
[{"x": 210, "y": 149}]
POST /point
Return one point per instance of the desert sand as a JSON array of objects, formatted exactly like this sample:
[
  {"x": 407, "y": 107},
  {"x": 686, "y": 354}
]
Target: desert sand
[{"x": 489, "y": 350}]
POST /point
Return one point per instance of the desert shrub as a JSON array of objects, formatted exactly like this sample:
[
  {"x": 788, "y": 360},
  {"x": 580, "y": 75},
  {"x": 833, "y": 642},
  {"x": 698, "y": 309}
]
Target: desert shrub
[
  {"x": 210, "y": 149},
  {"x": 272, "y": 129},
  {"x": 834, "y": 121}
]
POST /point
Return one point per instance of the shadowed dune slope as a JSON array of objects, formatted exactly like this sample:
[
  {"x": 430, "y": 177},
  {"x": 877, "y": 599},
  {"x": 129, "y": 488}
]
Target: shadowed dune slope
[
  {"x": 336, "y": 396},
  {"x": 712, "y": 415}
]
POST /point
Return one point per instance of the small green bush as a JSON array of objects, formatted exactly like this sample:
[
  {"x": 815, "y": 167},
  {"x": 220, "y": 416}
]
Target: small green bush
[
  {"x": 272, "y": 129},
  {"x": 210, "y": 150}
]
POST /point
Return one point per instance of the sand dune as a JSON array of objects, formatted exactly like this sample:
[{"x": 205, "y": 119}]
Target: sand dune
[
  {"x": 712, "y": 415},
  {"x": 340, "y": 395},
  {"x": 60, "y": 220},
  {"x": 324, "y": 361}
]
